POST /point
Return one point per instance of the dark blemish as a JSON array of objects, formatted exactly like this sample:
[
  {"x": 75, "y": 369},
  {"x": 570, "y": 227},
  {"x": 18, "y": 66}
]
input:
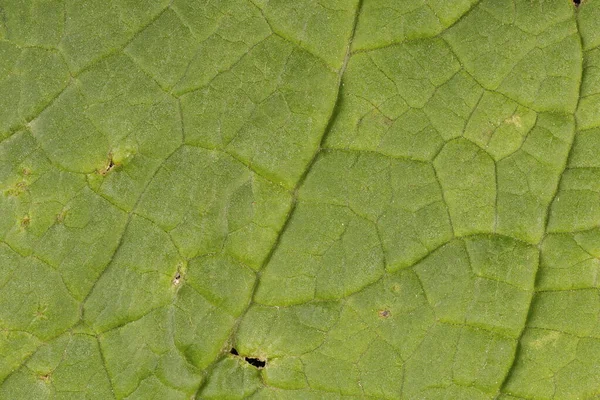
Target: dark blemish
[
  {"x": 577, "y": 2},
  {"x": 108, "y": 167},
  {"x": 177, "y": 279},
  {"x": 384, "y": 313},
  {"x": 26, "y": 171},
  {"x": 234, "y": 351},
  {"x": 256, "y": 362}
]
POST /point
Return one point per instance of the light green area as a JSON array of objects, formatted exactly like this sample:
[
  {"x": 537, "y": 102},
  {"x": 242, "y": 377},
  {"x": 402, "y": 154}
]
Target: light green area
[{"x": 312, "y": 199}]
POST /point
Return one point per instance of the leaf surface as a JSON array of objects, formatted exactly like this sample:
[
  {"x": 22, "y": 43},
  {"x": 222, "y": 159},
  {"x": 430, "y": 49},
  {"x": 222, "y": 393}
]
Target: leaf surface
[{"x": 317, "y": 199}]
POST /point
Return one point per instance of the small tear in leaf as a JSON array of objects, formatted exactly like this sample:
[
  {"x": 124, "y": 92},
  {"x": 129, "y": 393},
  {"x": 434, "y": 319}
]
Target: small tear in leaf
[
  {"x": 234, "y": 351},
  {"x": 108, "y": 167},
  {"x": 256, "y": 362}
]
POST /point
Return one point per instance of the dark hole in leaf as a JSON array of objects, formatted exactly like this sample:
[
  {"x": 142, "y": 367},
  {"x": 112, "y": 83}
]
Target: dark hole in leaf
[
  {"x": 256, "y": 362},
  {"x": 177, "y": 278},
  {"x": 577, "y": 2}
]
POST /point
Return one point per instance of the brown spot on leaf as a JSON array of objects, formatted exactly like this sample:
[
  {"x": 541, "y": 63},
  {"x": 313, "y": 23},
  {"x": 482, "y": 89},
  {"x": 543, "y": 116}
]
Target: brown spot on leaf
[
  {"x": 25, "y": 221},
  {"x": 384, "y": 313},
  {"x": 41, "y": 311},
  {"x": 16, "y": 190},
  {"x": 60, "y": 217}
]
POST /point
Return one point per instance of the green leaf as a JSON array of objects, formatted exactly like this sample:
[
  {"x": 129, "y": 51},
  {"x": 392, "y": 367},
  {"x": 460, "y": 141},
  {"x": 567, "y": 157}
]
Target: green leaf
[{"x": 310, "y": 199}]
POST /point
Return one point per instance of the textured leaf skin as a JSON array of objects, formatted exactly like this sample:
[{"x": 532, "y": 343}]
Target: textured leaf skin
[{"x": 310, "y": 199}]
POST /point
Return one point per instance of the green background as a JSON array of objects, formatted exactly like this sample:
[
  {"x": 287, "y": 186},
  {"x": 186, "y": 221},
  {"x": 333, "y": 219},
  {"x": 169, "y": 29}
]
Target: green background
[{"x": 386, "y": 199}]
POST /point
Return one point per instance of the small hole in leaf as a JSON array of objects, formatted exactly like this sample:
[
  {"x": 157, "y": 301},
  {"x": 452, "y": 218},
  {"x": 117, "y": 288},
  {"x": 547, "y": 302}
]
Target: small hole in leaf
[
  {"x": 256, "y": 362},
  {"x": 577, "y": 2},
  {"x": 177, "y": 279}
]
